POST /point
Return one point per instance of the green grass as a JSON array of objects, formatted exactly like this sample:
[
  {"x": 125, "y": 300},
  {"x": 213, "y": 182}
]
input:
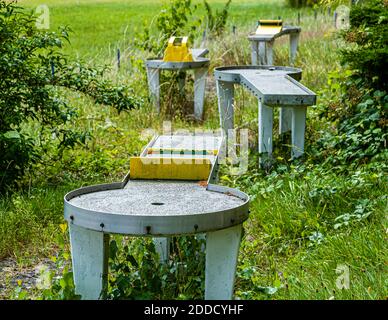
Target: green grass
[
  {"x": 280, "y": 249},
  {"x": 100, "y": 27},
  {"x": 289, "y": 205}
]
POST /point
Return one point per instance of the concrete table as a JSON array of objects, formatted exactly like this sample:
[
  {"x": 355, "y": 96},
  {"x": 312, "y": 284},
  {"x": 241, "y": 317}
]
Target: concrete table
[
  {"x": 154, "y": 209},
  {"x": 199, "y": 66},
  {"x": 273, "y": 87},
  {"x": 262, "y": 45}
]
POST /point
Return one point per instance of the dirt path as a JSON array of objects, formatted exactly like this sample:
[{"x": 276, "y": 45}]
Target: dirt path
[{"x": 11, "y": 273}]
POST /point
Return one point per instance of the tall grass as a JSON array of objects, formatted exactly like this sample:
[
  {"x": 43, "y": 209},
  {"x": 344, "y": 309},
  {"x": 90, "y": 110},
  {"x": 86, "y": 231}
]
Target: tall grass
[{"x": 279, "y": 249}]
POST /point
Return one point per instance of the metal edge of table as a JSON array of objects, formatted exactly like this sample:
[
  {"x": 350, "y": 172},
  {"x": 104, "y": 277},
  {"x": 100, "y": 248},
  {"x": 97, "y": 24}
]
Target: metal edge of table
[
  {"x": 151, "y": 225},
  {"x": 285, "y": 30},
  {"x": 306, "y": 99},
  {"x": 288, "y": 100},
  {"x": 163, "y": 65},
  {"x": 220, "y": 74}
]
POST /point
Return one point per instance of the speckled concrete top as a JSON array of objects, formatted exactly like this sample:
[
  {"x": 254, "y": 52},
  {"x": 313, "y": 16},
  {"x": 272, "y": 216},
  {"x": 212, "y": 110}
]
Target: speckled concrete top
[
  {"x": 250, "y": 72},
  {"x": 159, "y": 198}
]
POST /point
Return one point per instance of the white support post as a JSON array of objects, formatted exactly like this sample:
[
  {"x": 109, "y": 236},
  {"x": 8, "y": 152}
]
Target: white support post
[
  {"x": 225, "y": 93},
  {"x": 298, "y": 131},
  {"x": 90, "y": 254},
  {"x": 285, "y": 118},
  {"x": 262, "y": 53},
  {"x": 254, "y": 53},
  {"x": 269, "y": 53},
  {"x": 265, "y": 131},
  {"x": 222, "y": 249},
  {"x": 199, "y": 91},
  {"x": 162, "y": 247},
  {"x": 153, "y": 86},
  {"x": 294, "y": 42}
]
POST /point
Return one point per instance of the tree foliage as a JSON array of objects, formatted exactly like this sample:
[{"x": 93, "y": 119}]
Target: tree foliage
[
  {"x": 368, "y": 33},
  {"x": 34, "y": 77},
  {"x": 359, "y": 110}
]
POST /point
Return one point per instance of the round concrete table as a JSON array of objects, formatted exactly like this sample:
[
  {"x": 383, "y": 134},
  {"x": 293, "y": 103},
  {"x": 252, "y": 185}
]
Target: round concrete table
[
  {"x": 199, "y": 66},
  {"x": 156, "y": 209}
]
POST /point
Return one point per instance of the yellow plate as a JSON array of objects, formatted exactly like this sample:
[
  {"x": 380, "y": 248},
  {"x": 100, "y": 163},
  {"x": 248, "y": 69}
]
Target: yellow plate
[{"x": 169, "y": 168}]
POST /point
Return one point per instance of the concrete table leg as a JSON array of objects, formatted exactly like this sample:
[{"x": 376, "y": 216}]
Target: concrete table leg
[
  {"x": 162, "y": 247},
  {"x": 294, "y": 41},
  {"x": 285, "y": 118},
  {"x": 269, "y": 53},
  {"x": 225, "y": 93},
  {"x": 90, "y": 254},
  {"x": 221, "y": 260},
  {"x": 199, "y": 91},
  {"x": 262, "y": 53},
  {"x": 265, "y": 131},
  {"x": 298, "y": 131},
  {"x": 153, "y": 76},
  {"x": 254, "y": 53}
]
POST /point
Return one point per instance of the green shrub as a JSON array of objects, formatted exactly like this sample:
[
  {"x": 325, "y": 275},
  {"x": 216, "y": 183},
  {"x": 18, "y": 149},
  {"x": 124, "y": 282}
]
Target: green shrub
[
  {"x": 135, "y": 271},
  {"x": 175, "y": 19},
  {"x": 359, "y": 109},
  {"x": 53, "y": 283},
  {"x": 34, "y": 79},
  {"x": 368, "y": 34},
  {"x": 216, "y": 22}
]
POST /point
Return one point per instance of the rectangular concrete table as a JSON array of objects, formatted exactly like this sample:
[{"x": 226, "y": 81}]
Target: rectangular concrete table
[
  {"x": 273, "y": 87},
  {"x": 262, "y": 45}
]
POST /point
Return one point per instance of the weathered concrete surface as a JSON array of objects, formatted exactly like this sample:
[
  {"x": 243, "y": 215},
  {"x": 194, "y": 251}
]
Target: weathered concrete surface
[{"x": 159, "y": 198}]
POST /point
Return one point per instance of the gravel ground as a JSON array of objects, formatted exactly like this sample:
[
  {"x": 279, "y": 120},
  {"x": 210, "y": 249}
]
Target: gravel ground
[{"x": 11, "y": 273}]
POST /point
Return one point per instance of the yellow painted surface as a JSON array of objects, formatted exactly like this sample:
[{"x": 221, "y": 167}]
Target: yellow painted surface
[
  {"x": 269, "y": 27},
  {"x": 177, "y": 50},
  {"x": 169, "y": 168}
]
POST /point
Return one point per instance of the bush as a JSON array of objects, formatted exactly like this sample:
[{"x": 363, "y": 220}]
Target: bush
[
  {"x": 135, "y": 271},
  {"x": 359, "y": 111},
  {"x": 175, "y": 19},
  {"x": 216, "y": 22},
  {"x": 368, "y": 33},
  {"x": 33, "y": 73}
]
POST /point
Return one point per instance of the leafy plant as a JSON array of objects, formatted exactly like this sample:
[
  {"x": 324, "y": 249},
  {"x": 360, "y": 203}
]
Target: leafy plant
[
  {"x": 50, "y": 285},
  {"x": 135, "y": 271},
  {"x": 34, "y": 78},
  {"x": 362, "y": 211},
  {"x": 359, "y": 108},
  {"x": 175, "y": 19},
  {"x": 368, "y": 34},
  {"x": 216, "y": 22}
]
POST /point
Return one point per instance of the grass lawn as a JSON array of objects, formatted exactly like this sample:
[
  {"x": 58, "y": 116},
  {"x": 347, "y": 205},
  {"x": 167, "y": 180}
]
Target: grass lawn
[
  {"x": 290, "y": 249},
  {"x": 99, "y": 26}
]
